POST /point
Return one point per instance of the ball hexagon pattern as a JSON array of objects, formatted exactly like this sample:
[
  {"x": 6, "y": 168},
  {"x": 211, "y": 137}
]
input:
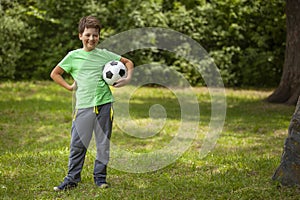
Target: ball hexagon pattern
[{"x": 113, "y": 71}]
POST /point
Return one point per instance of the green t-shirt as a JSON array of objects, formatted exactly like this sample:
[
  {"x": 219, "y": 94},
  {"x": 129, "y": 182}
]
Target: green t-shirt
[{"x": 86, "y": 69}]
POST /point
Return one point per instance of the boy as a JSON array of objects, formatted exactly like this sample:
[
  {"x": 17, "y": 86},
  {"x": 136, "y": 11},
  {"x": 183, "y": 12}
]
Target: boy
[{"x": 93, "y": 102}]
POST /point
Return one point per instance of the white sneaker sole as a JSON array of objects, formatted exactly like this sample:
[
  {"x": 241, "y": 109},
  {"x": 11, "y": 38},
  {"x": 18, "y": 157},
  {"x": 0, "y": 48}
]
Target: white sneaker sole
[
  {"x": 56, "y": 189},
  {"x": 103, "y": 186}
]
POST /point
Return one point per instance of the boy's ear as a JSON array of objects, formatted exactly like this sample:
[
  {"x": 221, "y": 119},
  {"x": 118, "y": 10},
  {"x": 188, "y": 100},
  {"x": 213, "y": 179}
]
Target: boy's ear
[{"x": 79, "y": 36}]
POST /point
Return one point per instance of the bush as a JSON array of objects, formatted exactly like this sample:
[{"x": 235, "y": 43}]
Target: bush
[
  {"x": 246, "y": 39},
  {"x": 14, "y": 33}
]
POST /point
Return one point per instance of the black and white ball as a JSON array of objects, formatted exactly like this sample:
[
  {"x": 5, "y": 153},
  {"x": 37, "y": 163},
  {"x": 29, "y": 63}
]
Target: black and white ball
[{"x": 113, "y": 71}]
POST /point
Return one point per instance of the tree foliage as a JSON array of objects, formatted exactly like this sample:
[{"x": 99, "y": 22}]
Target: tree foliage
[
  {"x": 14, "y": 33},
  {"x": 245, "y": 38}
]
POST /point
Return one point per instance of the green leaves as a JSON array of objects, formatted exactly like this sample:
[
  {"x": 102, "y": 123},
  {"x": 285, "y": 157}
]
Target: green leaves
[
  {"x": 13, "y": 33},
  {"x": 245, "y": 38}
]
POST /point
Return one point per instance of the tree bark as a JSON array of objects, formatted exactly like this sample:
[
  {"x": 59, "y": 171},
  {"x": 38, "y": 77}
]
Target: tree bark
[
  {"x": 288, "y": 172},
  {"x": 288, "y": 90}
]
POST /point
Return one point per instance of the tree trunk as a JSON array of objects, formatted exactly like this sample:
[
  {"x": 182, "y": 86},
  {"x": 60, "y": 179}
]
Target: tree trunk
[
  {"x": 288, "y": 90},
  {"x": 288, "y": 172}
]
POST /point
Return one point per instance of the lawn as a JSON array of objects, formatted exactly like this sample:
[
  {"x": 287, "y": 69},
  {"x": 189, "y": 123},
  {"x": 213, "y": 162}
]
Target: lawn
[{"x": 35, "y": 120}]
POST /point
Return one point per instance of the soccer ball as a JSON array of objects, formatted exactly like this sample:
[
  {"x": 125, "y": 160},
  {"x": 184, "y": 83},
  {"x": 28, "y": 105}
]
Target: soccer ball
[{"x": 113, "y": 71}]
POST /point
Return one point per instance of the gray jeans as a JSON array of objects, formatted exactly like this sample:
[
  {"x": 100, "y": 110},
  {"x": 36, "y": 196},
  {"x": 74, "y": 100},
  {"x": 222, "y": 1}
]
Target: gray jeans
[{"x": 85, "y": 122}]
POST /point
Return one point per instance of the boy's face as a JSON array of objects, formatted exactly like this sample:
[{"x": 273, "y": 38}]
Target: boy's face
[{"x": 89, "y": 38}]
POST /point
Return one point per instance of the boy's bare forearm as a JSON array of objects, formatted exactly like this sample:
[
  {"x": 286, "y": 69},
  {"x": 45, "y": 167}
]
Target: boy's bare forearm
[
  {"x": 56, "y": 75},
  {"x": 58, "y": 79},
  {"x": 129, "y": 65}
]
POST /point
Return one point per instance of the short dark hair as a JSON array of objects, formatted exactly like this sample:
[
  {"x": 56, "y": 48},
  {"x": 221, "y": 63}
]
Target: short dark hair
[{"x": 88, "y": 22}]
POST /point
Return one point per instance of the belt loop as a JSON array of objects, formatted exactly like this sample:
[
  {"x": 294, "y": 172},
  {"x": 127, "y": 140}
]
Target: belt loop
[
  {"x": 111, "y": 113},
  {"x": 75, "y": 114},
  {"x": 96, "y": 110}
]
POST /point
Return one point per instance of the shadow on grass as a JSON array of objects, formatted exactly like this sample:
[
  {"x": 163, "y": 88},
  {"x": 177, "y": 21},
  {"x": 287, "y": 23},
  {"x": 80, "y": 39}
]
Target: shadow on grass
[{"x": 34, "y": 131}]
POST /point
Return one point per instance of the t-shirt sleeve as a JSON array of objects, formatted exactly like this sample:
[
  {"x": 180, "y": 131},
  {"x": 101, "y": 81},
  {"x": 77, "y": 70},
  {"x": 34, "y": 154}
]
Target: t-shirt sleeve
[
  {"x": 111, "y": 56},
  {"x": 66, "y": 63}
]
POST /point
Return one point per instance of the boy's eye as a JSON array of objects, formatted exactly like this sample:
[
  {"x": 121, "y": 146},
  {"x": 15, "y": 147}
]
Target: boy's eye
[{"x": 88, "y": 35}]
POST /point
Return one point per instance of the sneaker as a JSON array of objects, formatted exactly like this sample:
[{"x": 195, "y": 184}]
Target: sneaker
[
  {"x": 101, "y": 183},
  {"x": 65, "y": 186}
]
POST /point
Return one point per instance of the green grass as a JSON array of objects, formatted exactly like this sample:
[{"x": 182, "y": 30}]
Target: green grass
[{"x": 35, "y": 120}]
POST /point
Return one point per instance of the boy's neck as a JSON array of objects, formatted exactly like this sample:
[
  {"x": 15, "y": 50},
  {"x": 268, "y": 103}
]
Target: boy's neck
[{"x": 88, "y": 50}]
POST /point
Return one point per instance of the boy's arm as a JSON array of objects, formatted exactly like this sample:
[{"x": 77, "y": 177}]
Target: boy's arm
[
  {"x": 129, "y": 65},
  {"x": 56, "y": 75}
]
